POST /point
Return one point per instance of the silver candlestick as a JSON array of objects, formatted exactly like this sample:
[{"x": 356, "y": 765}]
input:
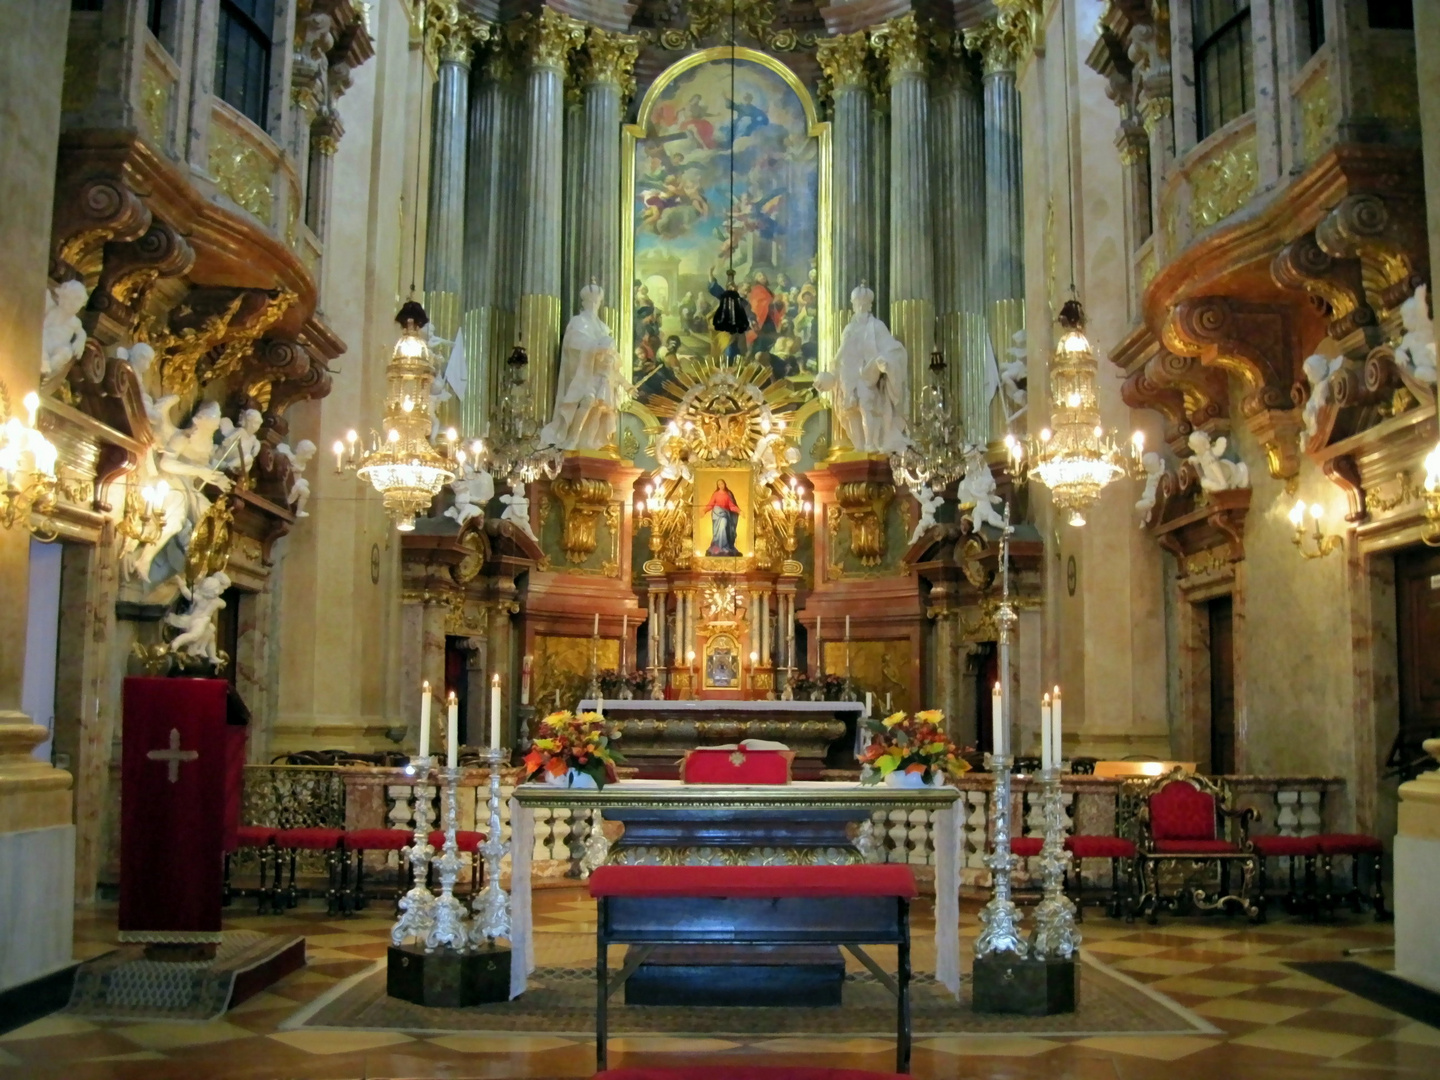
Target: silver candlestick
[
  {"x": 1000, "y": 917},
  {"x": 1055, "y": 935},
  {"x": 786, "y": 692},
  {"x": 657, "y": 692},
  {"x": 448, "y": 927},
  {"x": 492, "y": 906},
  {"x": 417, "y": 907},
  {"x": 592, "y": 691}
]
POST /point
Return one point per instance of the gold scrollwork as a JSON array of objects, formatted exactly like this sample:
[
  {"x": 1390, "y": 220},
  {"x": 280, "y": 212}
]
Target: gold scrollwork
[
  {"x": 155, "y": 86},
  {"x": 865, "y": 504},
  {"x": 1223, "y": 182},
  {"x": 844, "y": 61},
  {"x": 1405, "y": 491},
  {"x": 211, "y": 542},
  {"x": 582, "y": 502},
  {"x": 242, "y": 172}
]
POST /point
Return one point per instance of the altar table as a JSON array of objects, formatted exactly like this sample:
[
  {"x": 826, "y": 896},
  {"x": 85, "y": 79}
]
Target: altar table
[
  {"x": 655, "y": 735},
  {"x": 804, "y": 815}
]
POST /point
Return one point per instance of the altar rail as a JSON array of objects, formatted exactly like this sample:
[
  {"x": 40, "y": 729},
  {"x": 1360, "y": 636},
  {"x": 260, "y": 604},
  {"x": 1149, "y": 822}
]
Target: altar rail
[{"x": 361, "y": 797}]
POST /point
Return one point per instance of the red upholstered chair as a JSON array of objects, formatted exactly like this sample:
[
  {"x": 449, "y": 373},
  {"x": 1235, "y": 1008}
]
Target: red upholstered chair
[
  {"x": 1360, "y": 848},
  {"x": 331, "y": 843},
  {"x": 261, "y": 840},
  {"x": 1121, "y": 853},
  {"x": 1303, "y": 894},
  {"x": 1182, "y": 819},
  {"x": 469, "y": 844},
  {"x": 357, "y": 843}
]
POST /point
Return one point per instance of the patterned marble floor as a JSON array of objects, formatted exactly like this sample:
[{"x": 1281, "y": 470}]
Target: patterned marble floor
[{"x": 1275, "y": 1023}]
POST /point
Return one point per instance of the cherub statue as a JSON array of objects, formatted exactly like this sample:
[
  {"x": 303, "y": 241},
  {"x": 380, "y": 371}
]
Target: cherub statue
[
  {"x": 669, "y": 452},
  {"x": 300, "y": 457},
  {"x": 184, "y": 463},
  {"x": 141, "y": 357},
  {"x": 977, "y": 487},
  {"x": 239, "y": 446},
  {"x": 1217, "y": 474},
  {"x": 1154, "y": 469},
  {"x": 1013, "y": 373},
  {"x": 930, "y": 500},
  {"x": 1416, "y": 350},
  {"x": 197, "y": 638},
  {"x": 1319, "y": 370},
  {"x": 62, "y": 338},
  {"x": 517, "y": 509},
  {"x": 473, "y": 488},
  {"x": 771, "y": 453}
]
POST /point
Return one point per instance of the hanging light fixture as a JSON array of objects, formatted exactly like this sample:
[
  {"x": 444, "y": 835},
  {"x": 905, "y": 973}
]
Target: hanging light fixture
[
  {"x": 935, "y": 453},
  {"x": 730, "y": 317},
  {"x": 401, "y": 463},
  {"x": 27, "y": 462}
]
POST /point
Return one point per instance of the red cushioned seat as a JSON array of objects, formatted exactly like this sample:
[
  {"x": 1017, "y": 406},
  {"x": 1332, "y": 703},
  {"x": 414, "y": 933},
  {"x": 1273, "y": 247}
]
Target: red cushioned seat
[
  {"x": 1196, "y": 847},
  {"x": 309, "y": 839},
  {"x": 748, "y": 1072},
  {"x": 1349, "y": 844},
  {"x": 1100, "y": 847},
  {"x": 1274, "y": 847},
  {"x": 254, "y": 835},
  {"x": 377, "y": 839},
  {"x": 1026, "y": 846},
  {"x": 465, "y": 840},
  {"x": 766, "y": 882}
]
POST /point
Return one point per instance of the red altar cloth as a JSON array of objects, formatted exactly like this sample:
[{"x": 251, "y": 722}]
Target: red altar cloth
[
  {"x": 736, "y": 765},
  {"x": 181, "y": 769}
]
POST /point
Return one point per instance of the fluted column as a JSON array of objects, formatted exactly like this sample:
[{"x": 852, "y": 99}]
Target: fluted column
[
  {"x": 853, "y": 179},
  {"x": 903, "y": 45},
  {"x": 547, "y": 39},
  {"x": 1000, "y": 49}
]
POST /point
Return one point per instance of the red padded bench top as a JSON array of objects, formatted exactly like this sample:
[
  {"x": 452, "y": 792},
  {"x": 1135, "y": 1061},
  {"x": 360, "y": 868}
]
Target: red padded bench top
[{"x": 759, "y": 882}]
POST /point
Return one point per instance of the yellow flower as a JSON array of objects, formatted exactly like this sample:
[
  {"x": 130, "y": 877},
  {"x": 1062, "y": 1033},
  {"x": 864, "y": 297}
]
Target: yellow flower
[
  {"x": 545, "y": 744},
  {"x": 893, "y": 719},
  {"x": 930, "y": 716}
]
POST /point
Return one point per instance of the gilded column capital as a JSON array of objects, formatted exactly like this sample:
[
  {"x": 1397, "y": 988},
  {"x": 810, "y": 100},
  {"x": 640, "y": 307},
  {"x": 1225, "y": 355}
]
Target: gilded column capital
[
  {"x": 1006, "y": 40},
  {"x": 451, "y": 33},
  {"x": 904, "y": 46},
  {"x": 547, "y": 39},
  {"x": 609, "y": 58},
  {"x": 843, "y": 60}
]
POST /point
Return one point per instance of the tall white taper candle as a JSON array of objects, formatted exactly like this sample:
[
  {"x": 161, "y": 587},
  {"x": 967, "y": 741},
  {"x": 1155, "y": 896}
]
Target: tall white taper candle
[
  {"x": 997, "y": 722},
  {"x": 1045, "y": 746},
  {"x": 495, "y": 710},
  {"x": 1057, "y": 746},
  {"x": 452, "y": 730},
  {"x": 425, "y": 719}
]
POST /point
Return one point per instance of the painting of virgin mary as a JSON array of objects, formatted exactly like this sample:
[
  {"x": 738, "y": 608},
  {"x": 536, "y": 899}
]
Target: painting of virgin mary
[{"x": 724, "y": 521}]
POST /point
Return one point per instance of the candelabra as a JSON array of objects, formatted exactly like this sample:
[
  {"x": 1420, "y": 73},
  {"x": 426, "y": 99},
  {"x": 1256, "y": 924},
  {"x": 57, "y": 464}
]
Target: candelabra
[
  {"x": 492, "y": 907},
  {"x": 417, "y": 907},
  {"x": 1055, "y": 936},
  {"x": 448, "y": 925},
  {"x": 27, "y": 460},
  {"x": 1323, "y": 544}
]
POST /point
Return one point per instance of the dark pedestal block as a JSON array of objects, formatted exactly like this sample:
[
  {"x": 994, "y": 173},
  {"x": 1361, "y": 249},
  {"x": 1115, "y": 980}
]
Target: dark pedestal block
[
  {"x": 777, "y": 975},
  {"x": 1003, "y": 984},
  {"x": 446, "y": 979}
]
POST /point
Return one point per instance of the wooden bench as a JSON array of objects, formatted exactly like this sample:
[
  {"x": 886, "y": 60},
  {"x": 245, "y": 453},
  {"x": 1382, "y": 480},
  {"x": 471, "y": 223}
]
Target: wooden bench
[{"x": 848, "y": 906}]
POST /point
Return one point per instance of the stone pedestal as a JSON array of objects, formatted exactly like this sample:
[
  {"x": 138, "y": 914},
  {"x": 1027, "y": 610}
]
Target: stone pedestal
[
  {"x": 1004, "y": 984},
  {"x": 1417, "y": 877},
  {"x": 445, "y": 979}
]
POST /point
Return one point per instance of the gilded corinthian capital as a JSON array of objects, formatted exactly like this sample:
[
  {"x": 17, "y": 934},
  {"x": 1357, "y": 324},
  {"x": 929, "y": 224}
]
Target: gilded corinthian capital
[
  {"x": 842, "y": 59},
  {"x": 1007, "y": 39},
  {"x": 609, "y": 58},
  {"x": 546, "y": 40},
  {"x": 451, "y": 33},
  {"x": 904, "y": 46}
]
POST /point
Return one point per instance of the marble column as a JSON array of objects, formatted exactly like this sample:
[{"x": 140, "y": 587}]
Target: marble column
[
  {"x": 999, "y": 52},
  {"x": 842, "y": 59},
  {"x": 904, "y": 45},
  {"x": 606, "y": 81},
  {"x": 547, "y": 40}
]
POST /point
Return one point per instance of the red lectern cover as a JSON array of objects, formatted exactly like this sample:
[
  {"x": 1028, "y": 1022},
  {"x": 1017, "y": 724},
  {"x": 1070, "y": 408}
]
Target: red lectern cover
[
  {"x": 183, "y": 752},
  {"x": 736, "y": 765}
]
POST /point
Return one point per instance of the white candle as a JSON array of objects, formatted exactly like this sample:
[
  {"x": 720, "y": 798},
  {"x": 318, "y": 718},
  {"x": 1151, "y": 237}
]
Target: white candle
[
  {"x": 997, "y": 724},
  {"x": 869, "y": 704},
  {"x": 1045, "y": 749},
  {"x": 495, "y": 710},
  {"x": 452, "y": 731},
  {"x": 624, "y": 639},
  {"x": 596, "y": 632},
  {"x": 887, "y": 702},
  {"x": 599, "y": 706},
  {"x": 1057, "y": 747},
  {"x": 425, "y": 720},
  {"x": 847, "y": 627},
  {"x": 819, "y": 621},
  {"x": 525, "y": 666}
]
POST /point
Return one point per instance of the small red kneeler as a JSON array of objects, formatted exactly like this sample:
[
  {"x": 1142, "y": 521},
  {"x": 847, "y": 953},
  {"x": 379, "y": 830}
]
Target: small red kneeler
[
  {"x": 755, "y": 882},
  {"x": 736, "y": 765}
]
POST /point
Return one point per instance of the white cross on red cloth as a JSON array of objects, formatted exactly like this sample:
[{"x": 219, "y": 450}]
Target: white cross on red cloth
[{"x": 173, "y": 756}]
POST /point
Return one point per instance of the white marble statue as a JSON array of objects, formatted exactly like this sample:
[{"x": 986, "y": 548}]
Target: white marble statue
[
  {"x": 197, "y": 637},
  {"x": 1319, "y": 370},
  {"x": 1013, "y": 372},
  {"x": 771, "y": 453},
  {"x": 591, "y": 387},
  {"x": 62, "y": 338},
  {"x": 239, "y": 446},
  {"x": 299, "y": 493},
  {"x": 868, "y": 381},
  {"x": 141, "y": 357},
  {"x": 1416, "y": 351},
  {"x": 473, "y": 488},
  {"x": 669, "y": 452},
  {"x": 978, "y": 487},
  {"x": 517, "y": 509},
  {"x": 184, "y": 463},
  {"x": 1216, "y": 473},
  {"x": 1154, "y": 466},
  {"x": 930, "y": 500}
]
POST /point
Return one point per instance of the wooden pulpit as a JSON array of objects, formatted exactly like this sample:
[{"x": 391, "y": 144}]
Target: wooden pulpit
[{"x": 183, "y": 753}]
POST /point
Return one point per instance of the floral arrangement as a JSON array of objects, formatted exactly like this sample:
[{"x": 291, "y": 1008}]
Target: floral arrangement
[
  {"x": 638, "y": 681},
  {"x": 567, "y": 741},
  {"x": 802, "y": 684},
  {"x": 610, "y": 681},
  {"x": 832, "y": 685},
  {"x": 911, "y": 744}
]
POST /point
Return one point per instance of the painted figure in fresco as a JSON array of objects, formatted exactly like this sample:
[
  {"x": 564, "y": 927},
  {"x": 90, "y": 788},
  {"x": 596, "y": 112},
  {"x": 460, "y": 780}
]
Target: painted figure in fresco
[
  {"x": 724, "y": 522},
  {"x": 748, "y": 116},
  {"x": 697, "y": 122}
]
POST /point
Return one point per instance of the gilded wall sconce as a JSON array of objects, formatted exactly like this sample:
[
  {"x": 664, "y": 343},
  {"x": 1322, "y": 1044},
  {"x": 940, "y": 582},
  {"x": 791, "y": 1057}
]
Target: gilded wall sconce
[{"x": 1322, "y": 545}]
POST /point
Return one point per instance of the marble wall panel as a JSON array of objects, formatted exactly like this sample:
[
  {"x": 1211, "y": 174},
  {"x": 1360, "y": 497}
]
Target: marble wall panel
[{"x": 37, "y": 886}]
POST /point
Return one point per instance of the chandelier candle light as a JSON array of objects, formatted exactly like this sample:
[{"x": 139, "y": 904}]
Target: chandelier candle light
[{"x": 27, "y": 459}]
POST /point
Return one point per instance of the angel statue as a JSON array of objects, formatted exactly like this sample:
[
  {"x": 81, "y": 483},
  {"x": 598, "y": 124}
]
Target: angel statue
[
  {"x": 197, "y": 638},
  {"x": 977, "y": 487},
  {"x": 1217, "y": 474},
  {"x": 591, "y": 388},
  {"x": 670, "y": 453},
  {"x": 473, "y": 488},
  {"x": 930, "y": 500},
  {"x": 868, "y": 381},
  {"x": 1319, "y": 370},
  {"x": 62, "y": 338},
  {"x": 770, "y": 453},
  {"x": 1416, "y": 350},
  {"x": 299, "y": 493},
  {"x": 1154, "y": 466},
  {"x": 1014, "y": 374},
  {"x": 140, "y": 357},
  {"x": 239, "y": 443},
  {"x": 517, "y": 509}
]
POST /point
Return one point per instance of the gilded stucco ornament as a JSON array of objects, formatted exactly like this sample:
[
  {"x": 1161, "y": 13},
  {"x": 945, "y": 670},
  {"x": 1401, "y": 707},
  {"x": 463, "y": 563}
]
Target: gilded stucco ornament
[
  {"x": 547, "y": 39},
  {"x": 904, "y": 45},
  {"x": 582, "y": 503},
  {"x": 1006, "y": 40},
  {"x": 609, "y": 58},
  {"x": 451, "y": 34},
  {"x": 1223, "y": 182},
  {"x": 864, "y": 504},
  {"x": 844, "y": 61}
]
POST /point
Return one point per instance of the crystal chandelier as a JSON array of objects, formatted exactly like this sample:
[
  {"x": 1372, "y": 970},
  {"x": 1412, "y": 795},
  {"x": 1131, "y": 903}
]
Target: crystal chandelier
[
  {"x": 515, "y": 454},
  {"x": 27, "y": 460},
  {"x": 404, "y": 466},
  {"x": 936, "y": 451},
  {"x": 1076, "y": 457}
]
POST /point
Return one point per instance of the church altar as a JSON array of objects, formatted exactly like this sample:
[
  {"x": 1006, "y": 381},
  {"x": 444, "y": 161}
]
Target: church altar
[
  {"x": 655, "y": 735},
  {"x": 804, "y": 821}
]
